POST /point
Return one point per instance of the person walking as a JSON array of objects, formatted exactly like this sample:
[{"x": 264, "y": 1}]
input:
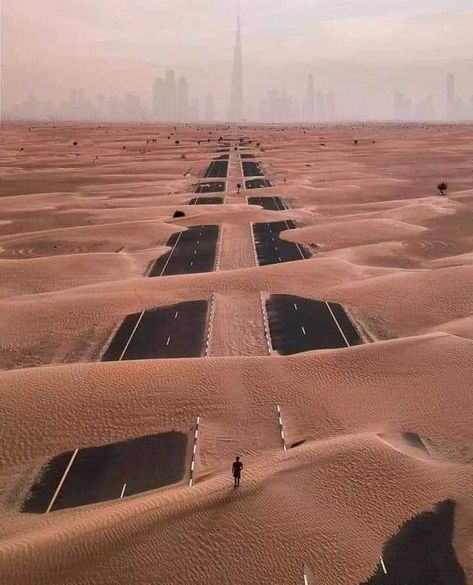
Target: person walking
[{"x": 236, "y": 471}]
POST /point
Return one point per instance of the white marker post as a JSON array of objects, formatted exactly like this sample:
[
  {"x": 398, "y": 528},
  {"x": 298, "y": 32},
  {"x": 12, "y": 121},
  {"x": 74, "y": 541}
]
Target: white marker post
[
  {"x": 281, "y": 429},
  {"x": 267, "y": 332},
  {"x": 209, "y": 329},
  {"x": 194, "y": 451}
]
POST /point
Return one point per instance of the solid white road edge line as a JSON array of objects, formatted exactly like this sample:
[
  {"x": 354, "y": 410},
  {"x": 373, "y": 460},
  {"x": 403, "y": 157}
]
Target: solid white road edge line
[
  {"x": 337, "y": 323},
  {"x": 63, "y": 479}
]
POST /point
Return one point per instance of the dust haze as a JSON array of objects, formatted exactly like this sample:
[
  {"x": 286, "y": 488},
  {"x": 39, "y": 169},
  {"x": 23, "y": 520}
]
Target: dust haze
[{"x": 369, "y": 59}]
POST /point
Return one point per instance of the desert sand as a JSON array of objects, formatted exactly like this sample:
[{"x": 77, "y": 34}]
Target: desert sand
[{"x": 79, "y": 226}]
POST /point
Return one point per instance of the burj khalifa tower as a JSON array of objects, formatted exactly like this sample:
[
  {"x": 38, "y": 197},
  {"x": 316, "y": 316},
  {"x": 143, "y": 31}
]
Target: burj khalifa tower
[{"x": 236, "y": 110}]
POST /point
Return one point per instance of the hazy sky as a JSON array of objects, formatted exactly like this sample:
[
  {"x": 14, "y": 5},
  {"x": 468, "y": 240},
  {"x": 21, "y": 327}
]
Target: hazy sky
[{"x": 360, "y": 48}]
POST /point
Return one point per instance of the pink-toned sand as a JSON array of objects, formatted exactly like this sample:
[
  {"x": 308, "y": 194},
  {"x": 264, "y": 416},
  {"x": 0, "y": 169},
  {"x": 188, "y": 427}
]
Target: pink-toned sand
[{"x": 77, "y": 234}]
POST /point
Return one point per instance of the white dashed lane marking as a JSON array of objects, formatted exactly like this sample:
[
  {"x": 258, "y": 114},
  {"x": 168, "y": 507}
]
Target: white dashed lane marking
[
  {"x": 194, "y": 450},
  {"x": 281, "y": 428}
]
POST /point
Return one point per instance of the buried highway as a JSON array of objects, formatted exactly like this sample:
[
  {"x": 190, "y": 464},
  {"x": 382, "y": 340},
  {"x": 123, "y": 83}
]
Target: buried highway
[
  {"x": 193, "y": 250},
  {"x": 270, "y": 203},
  {"x": 297, "y": 325},
  {"x": 252, "y": 169},
  {"x": 177, "y": 331},
  {"x": 271, "y": 249},
  {"x": 206, "y": 201},
  {"x": 257, "y": 184},
  {"x": 218, "y": 168},
  {"x": 97, "y": 474},
  {"x": 211, "y": 187}
]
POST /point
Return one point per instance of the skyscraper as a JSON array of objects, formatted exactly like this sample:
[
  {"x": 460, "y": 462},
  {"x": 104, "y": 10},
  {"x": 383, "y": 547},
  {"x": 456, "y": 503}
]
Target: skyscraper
[
  {"x": 182, "y": 99},
  {"x": 321, "y": 106},
  {"x": 450, "y": 91},
  {"x": 209, "y": 108},
  {"x": 330, "y": 106},
  {"x": 158, "y": 99},
  {"x": 310, "y": 99},
  {"x": 170, "y": 96},
  {"x": 236, "y": 111}
]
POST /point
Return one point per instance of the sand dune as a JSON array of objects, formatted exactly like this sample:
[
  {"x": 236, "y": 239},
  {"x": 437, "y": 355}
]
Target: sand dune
[{"x": 377, "y": 434}]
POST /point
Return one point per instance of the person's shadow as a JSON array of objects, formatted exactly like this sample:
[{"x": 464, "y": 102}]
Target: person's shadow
[{"x": 422, "y": 553}]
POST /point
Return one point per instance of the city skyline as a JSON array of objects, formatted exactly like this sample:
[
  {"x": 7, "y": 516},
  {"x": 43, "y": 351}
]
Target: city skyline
[
  {"x": 171, "y": 100},
  {"x": 324, "y": 87}
]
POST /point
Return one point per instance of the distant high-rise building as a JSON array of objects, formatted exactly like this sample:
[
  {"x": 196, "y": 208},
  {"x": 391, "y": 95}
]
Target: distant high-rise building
[
  {"x": 99, "y": 106},
  {"x": 401, "y": 106},
  {"x": 424, "y": 109},
  {"x": 310, "y": 99},
  {"x": 194, "y": 110},
  {"x": 158, "y": 99},
  {"x": 321, "y": 109},
  {"x": 209, "y": 108},
  {"x": 170, "y": 96},
  {"x": 450, "y": 96},
  {"x": 182, "y": 99},
  {"x": 236, "y": 111},
  {"x": 330, "y": 106},
  {"x": 263, "y": 110}
]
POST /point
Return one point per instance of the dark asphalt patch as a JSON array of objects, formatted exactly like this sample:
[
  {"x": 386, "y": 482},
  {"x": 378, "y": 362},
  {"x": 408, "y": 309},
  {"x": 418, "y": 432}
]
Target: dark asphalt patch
[
  {"x": 297, "y": 325},
  {"x": 271, "y": 249},
  {"x": 211, "y": 187},
  {"x": 257, "y": 184},
  {"x": 206, "y": 201},
  {"x": 217, "y": 168},
  {"x": 270, "y": 203},
  {"x": 422, "y": 552},
  {"x": 252, "y": 169},
  {"x": 193, "y": 250},
  {"x": 243, "y": 156},
  {"x": 99, "y": 474},
  {"x": 177, "y": 331}
]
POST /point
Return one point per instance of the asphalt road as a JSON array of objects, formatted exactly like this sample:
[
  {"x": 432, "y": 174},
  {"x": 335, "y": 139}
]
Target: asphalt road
[
  {"x": 176, "y": 331},
  {"x": 217, "y": 168},
  {"x": 257, "y": 183},
  {"x": 206, "y": 201},
  {"x": 109, "y": 472},
  {"x": 271, "y": 203},
  {"x": 422, "y": 552},
  {"x": 270, "y": 249},
  {"x": 193, "y": 250},
  {"x": 252, "y": 169},
  {"x": 246, "y": 155},
  {"x": 211, "y": 187},
  {"x": 297, "y": 324}
]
